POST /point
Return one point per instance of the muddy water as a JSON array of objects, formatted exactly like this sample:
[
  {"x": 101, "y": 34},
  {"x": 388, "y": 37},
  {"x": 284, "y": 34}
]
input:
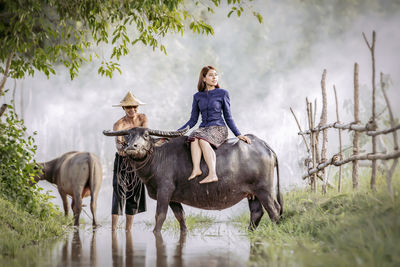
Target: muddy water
[{"x": 220, "y": 245}]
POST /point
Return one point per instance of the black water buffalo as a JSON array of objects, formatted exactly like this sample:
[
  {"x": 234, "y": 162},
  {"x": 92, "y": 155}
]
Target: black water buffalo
[{"x": 244, "y": 170}]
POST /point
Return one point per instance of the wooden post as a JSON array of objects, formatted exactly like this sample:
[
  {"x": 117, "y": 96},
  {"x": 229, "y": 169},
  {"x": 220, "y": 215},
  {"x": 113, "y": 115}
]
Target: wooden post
[
  {"x": 298, "y": 125},
  {"x": 312, "y": 142},
  {"x": 315, "y": 149},
  {"x": 340, "y": 141},
  {"x": 373, "y": 117},
  {"x": 356, "y": 138},
  {"x": 390, "y": 172},
  {"x": 323, "y": 120}
]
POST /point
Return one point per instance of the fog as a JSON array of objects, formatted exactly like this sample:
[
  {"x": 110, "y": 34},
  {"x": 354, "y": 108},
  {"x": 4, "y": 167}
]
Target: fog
[{"x": 267, "y": 68}]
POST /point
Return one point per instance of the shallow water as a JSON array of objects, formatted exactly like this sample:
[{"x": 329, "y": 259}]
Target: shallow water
[{"x": 221, "y": 244}]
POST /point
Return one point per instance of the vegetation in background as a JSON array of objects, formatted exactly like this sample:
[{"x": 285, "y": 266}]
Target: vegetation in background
[
  {"x": 18, "y": 167},
  {"x": 347, "y": 229},
  {"x": 26, "y": 215}
]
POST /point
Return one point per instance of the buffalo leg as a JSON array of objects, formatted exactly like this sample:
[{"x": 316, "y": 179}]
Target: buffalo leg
[
  {"x": 77, "y": 207},
  {"x": 163, "y": 197},
  {"x": 93, "y": 203},
  {"x": 267, "y": 200},
  {"x": 179, "y": 214},
  {"x": 65, "y": 202},
  {"x": 256, "y": 212}
]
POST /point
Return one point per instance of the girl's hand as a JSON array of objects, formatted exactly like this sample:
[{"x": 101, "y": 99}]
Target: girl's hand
[{"x": 244, "y": 138}]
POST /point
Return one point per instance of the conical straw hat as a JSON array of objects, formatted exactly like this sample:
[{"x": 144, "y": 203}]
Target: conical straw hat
[{"x": 129, "y": 100}]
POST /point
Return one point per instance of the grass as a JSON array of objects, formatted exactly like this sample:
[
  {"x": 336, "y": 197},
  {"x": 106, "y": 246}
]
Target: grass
[
  {"x": 193, "y": 222},
  {"x": 20, "y": 229},
  {"x": 346, "y": 229}
]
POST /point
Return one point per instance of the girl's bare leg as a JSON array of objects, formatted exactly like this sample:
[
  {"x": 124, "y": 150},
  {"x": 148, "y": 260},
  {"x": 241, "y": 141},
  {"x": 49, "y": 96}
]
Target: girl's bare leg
[
  {"x": 196, "y": 157},
  {"x": 210, "y": 158}
]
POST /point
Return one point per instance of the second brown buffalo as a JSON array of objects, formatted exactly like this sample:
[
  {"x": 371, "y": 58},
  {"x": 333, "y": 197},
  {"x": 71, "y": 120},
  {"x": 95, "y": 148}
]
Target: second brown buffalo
[{"x": 78, "y": 174}]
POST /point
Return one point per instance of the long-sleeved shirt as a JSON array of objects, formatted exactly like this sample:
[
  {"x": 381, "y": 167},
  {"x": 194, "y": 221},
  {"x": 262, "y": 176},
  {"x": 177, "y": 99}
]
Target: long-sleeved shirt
[{"x": 211, "y": 104}]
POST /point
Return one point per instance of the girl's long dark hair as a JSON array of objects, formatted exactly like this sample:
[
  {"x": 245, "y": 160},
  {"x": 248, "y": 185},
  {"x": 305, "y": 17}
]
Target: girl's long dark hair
[{"x": 201, "y": 85}]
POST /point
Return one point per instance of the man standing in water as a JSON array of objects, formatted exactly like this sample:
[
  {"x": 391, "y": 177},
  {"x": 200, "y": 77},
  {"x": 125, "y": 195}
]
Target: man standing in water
[{"x": 128, "y": 189}]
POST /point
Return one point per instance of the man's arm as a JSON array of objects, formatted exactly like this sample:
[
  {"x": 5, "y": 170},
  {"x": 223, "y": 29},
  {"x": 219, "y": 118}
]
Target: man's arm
[
  {"x": 119, "y": 140},
  {"x": 144, "y": 121}
]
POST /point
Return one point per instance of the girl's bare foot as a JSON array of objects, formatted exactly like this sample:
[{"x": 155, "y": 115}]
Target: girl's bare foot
[
  {"x": 194, "y": 174},
  {"x": 209, "y": 179}
]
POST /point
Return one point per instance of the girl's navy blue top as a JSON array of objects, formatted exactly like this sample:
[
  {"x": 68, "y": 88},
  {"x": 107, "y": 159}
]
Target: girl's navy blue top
[{"x": 211, "y": 104}]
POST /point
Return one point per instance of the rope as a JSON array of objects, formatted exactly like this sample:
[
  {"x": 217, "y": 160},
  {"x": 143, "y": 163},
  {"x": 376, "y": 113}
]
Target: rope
[{"x": 127, "y": 179}]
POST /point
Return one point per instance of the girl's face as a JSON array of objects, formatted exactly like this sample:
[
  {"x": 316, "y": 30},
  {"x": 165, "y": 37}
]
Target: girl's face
[{"x": 211, "y": 78}]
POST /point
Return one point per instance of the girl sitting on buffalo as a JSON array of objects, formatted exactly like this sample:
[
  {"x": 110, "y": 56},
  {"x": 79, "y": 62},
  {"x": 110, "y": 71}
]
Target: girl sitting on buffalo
[{"x": 211, "y": 101}]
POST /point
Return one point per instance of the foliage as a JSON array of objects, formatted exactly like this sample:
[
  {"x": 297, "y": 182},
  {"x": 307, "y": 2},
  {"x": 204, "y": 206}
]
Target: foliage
[
  {"x": 345, "y": 229},
  {"x": 43, "y": 34},
  {"x": 18, "y": 167},
  {"x": 20, "y": 229}
]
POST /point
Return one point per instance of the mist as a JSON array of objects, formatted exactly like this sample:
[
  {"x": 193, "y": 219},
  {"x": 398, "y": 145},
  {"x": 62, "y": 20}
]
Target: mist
[{"x": 267, "y": 68}]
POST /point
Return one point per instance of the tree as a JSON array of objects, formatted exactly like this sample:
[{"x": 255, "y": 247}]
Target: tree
[{"x": 40, "y": 34}]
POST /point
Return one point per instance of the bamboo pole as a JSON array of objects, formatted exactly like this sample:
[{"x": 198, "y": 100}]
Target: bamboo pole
[
  {"x": 386, "y": 131},
  {"x": 349, "y": 126},
  {"x": 316, "y": 134},
  {"x": 340, "y": 141},
  {"x": 323, "y": 120},
  {"x": 335, "y": 160},
  {"x": 312, "y": 142},
  {"x": 315, "y": 149},
  {"x": 373, "y": 116},
  {"x": 298, "y": 125},
  {"x": 369, "y": 128},
  {"x": 390, "y": 172},
  {"x": 356, "y": 138}
]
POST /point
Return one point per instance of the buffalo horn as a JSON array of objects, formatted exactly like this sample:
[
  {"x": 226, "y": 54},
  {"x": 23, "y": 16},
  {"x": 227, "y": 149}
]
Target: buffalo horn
[
  {"x": 116, "y": 133},
  {"x": 168, "y": 133}
]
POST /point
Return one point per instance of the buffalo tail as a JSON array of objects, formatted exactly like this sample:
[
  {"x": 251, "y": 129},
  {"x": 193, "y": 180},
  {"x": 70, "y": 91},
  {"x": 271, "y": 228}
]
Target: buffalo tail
[{"x": 278, "y": 189}]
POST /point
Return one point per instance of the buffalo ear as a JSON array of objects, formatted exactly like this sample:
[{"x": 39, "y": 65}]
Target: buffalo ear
[{"x": 160, "y": 141}]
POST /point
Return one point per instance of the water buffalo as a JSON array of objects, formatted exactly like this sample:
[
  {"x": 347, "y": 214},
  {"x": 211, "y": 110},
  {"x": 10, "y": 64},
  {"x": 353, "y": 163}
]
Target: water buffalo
[
  {"x": 78, "y": 174},
  {"x": 244, "y": 170}
]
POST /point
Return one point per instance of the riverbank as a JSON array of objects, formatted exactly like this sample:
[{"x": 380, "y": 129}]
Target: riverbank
[
  {"x": 20, "y": 229},
  {"x": 336, "y": 229}
]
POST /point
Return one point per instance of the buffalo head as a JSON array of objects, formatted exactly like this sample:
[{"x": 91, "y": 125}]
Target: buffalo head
[{"x": 139, "y": 141}]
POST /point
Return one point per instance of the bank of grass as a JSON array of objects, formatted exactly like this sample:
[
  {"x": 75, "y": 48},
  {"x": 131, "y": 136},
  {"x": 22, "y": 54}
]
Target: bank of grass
[
  {"x": 337, "y": 229},
  {"x": 20, "y": 229}
]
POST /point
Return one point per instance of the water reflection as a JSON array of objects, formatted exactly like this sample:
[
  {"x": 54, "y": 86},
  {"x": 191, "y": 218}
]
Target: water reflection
[
  {"x": 130, "y": 257},
  {"x": 219, "y": 245},
  {"x": 72, "y": 253},
  {"x": 161, "y": 250}
]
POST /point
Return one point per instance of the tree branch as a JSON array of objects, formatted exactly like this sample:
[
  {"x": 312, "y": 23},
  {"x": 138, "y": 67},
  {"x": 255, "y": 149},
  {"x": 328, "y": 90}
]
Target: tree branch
[
  {"x": 2, "y": 109},
  {"x": 298, "y": 125},
  {"x": 7, "y": 69}
]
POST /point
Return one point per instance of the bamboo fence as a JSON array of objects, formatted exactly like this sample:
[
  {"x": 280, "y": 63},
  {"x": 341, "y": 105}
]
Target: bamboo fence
[{"x": 318, "y": 161}]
